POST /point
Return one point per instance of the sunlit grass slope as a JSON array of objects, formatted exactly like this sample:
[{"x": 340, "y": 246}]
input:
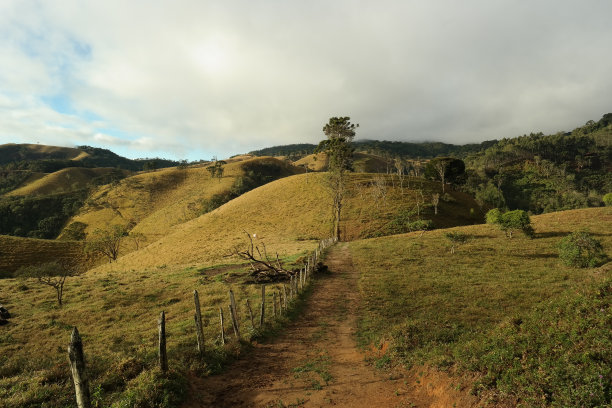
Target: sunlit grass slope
[
  {"x": 465, "y": 310},
  {"x": 363, "y": 162},
  {"x": 16, "y": 252},
  {"x": 65, "y": 180},
  {"x": 156, "y": 201},
  {"x": 116, "y": 314},
  {"x": 292, "y": 213}
]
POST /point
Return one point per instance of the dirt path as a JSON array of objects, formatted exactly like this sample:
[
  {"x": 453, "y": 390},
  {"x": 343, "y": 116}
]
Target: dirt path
[{"x": 315, "y": 362}]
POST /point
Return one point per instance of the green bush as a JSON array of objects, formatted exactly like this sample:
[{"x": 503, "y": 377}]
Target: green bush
[
  {"x": 493, "y": 216},
  {"x": 607, "y": 199},
  {"x": 510, "y": 221},
  {"x": 580, "y": 249}
]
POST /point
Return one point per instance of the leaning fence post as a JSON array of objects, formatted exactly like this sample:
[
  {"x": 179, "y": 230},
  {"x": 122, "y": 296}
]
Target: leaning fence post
[
  {"x": 301, "y": 282},
  {"x": 291, "y": 279},
  {"x": 234, "y": 314},
  {"x": 274, "y": 311},
  {"x": 222, "y": 325},
  {"x": 198, "y": 322},
  {"x": 263, "y": 306},
  {"x": 77, "y": 366},
  {"x": 163, "y": 357},
  {"x": 285, "y": 296},
  {"x": 248, "y": 305},
  {"x": 234, "y": 321}
]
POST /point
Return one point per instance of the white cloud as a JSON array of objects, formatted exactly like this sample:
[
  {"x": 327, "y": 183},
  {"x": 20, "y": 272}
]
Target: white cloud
[{"x": 229, "y": 77}]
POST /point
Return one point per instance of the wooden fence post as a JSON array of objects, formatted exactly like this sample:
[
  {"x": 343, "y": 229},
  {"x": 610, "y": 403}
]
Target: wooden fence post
[
  {"x": 234, "y": 314},
  {"x": 248, "y": 304},
  {"x": 274, "y": 310},
  {"x": 291, "y": 279},
  {"x": 222, "y": 325},
  {"x": 301, "y": 282},
  {"x": 77, "y": 366},
  {"x": 263, "y": 306},
  {"x": 285, "y": 296},
  {"x": 198, "y": 322},
  {"x": 234, "y": 322},
  {"x": 163, "y": 356}
]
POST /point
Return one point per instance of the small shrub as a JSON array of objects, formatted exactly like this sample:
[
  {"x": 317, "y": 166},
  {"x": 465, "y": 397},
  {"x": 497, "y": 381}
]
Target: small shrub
[
  {"x": 456, "y": 239},
  {"x": 607, "y": 199},
  {"x": 493, "y": 216},
  {"x": 152, "y": 389},
  {"x": 510, "y": 221},
  {"x": 580, "y": 249}
]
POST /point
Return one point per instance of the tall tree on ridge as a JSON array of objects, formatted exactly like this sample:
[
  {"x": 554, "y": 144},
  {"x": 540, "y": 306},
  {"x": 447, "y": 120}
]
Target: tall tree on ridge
[{"x": 340, "y": 133}]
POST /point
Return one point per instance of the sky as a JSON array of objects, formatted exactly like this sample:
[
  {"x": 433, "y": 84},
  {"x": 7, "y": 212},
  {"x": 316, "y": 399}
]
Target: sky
[{"x": 195, "y": 79}]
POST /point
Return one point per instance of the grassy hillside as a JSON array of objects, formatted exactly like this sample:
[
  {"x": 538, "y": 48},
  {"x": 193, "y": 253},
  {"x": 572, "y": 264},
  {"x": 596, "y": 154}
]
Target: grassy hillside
[
  {"x": 17, "y": 252},
  {"x": 491, "y": 305},
  {"x": 156, "y": 202},
  {"x": 294, "y": 212},
  {"x": 363, "y": 162},
  {"x": 65, "y": 180}
]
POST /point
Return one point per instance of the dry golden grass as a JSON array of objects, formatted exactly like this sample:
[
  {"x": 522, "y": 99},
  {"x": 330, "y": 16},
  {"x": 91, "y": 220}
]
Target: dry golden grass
[
  {"x": 16, "y": 252},
  {"x": 363, "y": 162},
  {"x": 315, "y": 162},
  {"x": 291, "y": 214},
  {"x": 61, "y": 181},
  {"x": 154, "y": 201}
]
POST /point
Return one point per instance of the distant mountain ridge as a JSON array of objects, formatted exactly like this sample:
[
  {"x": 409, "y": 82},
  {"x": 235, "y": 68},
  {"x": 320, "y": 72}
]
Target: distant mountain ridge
[
  {"x": 48, "y": 159},
  {"x": 424, "y": 150}
]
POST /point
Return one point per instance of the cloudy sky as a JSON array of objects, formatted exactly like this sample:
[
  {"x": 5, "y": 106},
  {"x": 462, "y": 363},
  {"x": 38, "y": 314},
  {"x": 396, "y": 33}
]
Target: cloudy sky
[{"x": 193, "y": 79}]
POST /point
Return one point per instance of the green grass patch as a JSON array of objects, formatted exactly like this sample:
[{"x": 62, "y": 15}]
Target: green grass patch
[{"x": 459, "y": 310}]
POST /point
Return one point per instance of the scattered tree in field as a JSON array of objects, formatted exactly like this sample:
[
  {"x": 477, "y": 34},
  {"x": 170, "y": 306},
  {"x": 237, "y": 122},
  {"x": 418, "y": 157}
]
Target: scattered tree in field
[
  {"x": 51, "y": 274},
  {"x": 456, "y": 239},
  {"x": 445, "y": 169},
  {"x": 435, "y": 200},
  {"x": 607, "y": 199},
  {"x": 138, "y": 238},
  {"x": 580, "y": 249},
  {"x": 107, "y": 242},
  {"x": 340, "y": 133},
  {"x": 400, "y": 167},
  {"x": 216, "y": 170},
  {"x": 510, "y": 221}
]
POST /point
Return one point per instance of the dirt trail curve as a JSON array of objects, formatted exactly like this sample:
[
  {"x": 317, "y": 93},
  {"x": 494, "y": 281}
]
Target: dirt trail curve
[{"x": 315, "y": 362}]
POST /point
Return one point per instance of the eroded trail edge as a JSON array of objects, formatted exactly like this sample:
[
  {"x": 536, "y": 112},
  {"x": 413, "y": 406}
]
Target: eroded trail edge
[{"x": 315, "y": 362}]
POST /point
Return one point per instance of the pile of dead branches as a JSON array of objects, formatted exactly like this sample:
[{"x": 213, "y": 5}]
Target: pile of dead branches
[{"x": 263, "y": 268}]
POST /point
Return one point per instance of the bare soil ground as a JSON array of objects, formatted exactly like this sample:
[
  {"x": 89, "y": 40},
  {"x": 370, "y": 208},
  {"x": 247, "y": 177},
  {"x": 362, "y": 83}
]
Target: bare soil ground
[{"x": 316, "y": 362}]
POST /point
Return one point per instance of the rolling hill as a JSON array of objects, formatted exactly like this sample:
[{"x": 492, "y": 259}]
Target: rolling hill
[
  {"x": 154, "y": 203},
  {"x": 63, "y": 181},
  {"x": 292, "y": 213}
]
